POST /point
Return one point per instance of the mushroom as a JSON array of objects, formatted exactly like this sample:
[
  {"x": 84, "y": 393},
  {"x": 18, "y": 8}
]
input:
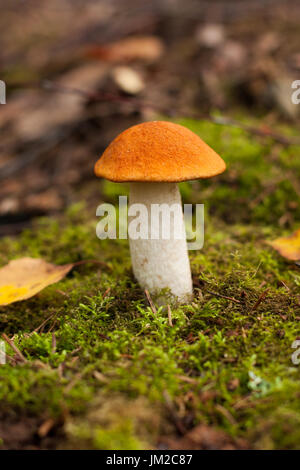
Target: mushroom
[{"x": 153, "y": 157}]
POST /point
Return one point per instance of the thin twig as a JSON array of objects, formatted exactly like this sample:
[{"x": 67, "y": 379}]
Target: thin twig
[
  {"x": 75, "y": 351},
  {"x": 42, "y": 324},
  {"x": 46, "y": 427},
  {"x": 226, "y": 414},
  {"x": 11, "y": 359},
  {"x": 284, "y": 285},
  {"x": 260, "y": 299},
  {"x": 52, "y": 326},
  {"x": 152, "y": 306},
  {"x": 170, "y": 316},
  {"x": 223, "y": 296},
  {"x": 53, "y": 343},
  {"x": 94, "y": 261},
  {"x": 62, "y": 293},
  {"x": 99, "y": 376},
  {"x": 127, "y": 356},
  {"x": 106, "y": 292},
  {"x": 14, "y": 347},
  {"x": 189, "y": 380}
]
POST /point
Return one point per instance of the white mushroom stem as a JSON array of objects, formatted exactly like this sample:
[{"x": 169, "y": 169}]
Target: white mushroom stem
[{"x": 159, "y": 256}]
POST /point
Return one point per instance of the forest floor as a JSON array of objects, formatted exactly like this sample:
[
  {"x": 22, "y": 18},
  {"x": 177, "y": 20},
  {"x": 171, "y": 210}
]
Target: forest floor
[{"x": 103, "y": 371}]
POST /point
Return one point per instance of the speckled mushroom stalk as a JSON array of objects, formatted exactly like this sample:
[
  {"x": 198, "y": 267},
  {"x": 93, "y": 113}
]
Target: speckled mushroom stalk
[
  {"x": 153, "y": 157},
  {"x": 160, "y": 263}
]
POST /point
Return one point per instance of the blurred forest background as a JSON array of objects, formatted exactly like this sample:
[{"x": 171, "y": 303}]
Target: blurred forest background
[
  {"x": 79, "y": 72},
  {"x": 90, "y": 363}
]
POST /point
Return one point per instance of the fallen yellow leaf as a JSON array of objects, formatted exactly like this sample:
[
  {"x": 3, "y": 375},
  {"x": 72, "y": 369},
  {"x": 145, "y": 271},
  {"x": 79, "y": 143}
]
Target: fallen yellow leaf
[
  {"x": 288, "y": 247},
  {"x": 22, "y": 278}
]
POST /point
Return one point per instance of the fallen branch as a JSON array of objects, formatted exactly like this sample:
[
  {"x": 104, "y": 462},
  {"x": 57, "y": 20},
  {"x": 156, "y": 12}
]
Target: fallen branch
[
  {"x": 223, "y": 296},
  {"x": 221, "y": 120}
]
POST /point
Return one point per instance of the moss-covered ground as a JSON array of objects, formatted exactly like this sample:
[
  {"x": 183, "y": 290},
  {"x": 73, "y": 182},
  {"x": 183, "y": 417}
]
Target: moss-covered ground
[{"x": 107, "y": 373}]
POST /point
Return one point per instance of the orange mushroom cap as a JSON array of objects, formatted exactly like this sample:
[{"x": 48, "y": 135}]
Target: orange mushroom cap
[{"x": 158, "y": 151}]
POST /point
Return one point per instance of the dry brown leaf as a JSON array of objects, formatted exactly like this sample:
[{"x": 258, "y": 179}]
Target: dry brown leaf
[
  {"x": 145, "y": 48},
  {"x": 22, "y": 278},
  {"x": 288, "y": 247}
]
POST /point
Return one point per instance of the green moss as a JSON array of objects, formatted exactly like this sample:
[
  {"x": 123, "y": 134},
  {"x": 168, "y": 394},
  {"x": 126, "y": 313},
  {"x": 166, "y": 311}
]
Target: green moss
[
  {"x": 113, "y": 422},
  {"x": 110, "y": 344},
  {"x": 260, "y": 185}
]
